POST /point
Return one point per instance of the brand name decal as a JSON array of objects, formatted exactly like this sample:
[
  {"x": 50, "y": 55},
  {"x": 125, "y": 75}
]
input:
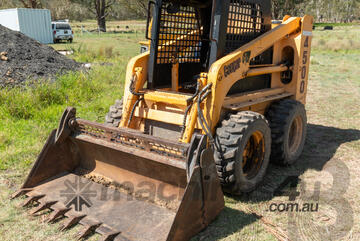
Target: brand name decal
[{"x": 231, "y": 68}]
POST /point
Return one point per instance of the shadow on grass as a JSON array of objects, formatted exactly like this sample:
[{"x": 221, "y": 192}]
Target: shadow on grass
[
  {"x": 321, "y": 145},
  {"x": 228, "y": 222}
]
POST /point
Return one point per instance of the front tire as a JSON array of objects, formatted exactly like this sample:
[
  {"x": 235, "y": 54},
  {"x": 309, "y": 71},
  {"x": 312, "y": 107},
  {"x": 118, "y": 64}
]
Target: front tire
[
  {"x": 242, "y": 151},
  {"x": 288, "y": 123}
]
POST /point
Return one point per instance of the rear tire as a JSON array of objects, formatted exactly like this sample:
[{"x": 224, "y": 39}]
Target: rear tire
[
  {"x": 243, "y": 145},
  {"x": 113, "y": 117},
  {"x": 288, "y": 122}
]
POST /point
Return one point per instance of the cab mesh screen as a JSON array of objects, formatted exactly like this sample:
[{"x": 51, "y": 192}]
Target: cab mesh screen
[
  {"x": 245, "y": 23},
  {"x": 179, "y": 36}
]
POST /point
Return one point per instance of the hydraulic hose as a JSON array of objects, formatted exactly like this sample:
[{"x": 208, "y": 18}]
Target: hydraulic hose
[
  {"x": 133, "y": 92},
  {"x": 190, "y": 101},
  {"x": 201, "y": 97}
]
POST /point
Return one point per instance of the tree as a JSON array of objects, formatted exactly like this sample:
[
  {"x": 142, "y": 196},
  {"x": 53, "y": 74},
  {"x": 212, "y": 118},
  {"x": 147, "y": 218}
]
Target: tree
[
  {"x": 31, "y": 3},
  {"x": 139, "y": 7},
  {"x": 101, "y": 9},
  {"x": 281, "y": 8}
]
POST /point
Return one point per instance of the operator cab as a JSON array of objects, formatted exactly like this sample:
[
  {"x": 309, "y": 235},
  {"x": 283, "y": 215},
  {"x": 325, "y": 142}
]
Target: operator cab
[{"x": 189, "y": 36}]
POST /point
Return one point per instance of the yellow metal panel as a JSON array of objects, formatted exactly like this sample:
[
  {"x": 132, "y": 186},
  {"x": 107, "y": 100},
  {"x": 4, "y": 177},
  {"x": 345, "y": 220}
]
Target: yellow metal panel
[
  {"x": 167, "y": 97},
  {"x": 139, "y": 63},
  {"x": 239, "y": 106},
  {"x": 162, "y": 116},
  {"x": 158, "y": 115},
  {"x": 175, "y": 76},
  {"x": 233, "y": 67},
  {"x": 251, "y": 96},
  {"x": 259, "y": 108},
  {"x": 304, "y": 45}
]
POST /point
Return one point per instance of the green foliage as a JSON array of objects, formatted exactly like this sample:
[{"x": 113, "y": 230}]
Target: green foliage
[
  {"x": 78, "y": 10},
  {"x": 28, "y": 113},
  {"x": 335, "y": 11}
]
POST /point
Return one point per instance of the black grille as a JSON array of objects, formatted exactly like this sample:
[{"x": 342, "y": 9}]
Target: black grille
[
  {"x": 173, "y": 28},
  {"x": 245, "y": 23}
]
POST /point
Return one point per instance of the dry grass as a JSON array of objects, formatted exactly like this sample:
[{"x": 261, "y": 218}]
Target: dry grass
[
  {"x": 112, "y": 26},
  {"x": 340, "y": 39}
]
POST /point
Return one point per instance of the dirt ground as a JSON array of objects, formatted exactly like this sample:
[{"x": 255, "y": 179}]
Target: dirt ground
[{"x": 24, "y": 59}]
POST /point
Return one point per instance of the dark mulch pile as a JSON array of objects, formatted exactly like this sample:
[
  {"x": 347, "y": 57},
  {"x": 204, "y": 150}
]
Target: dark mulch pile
[{"x": 24, "y": 59}]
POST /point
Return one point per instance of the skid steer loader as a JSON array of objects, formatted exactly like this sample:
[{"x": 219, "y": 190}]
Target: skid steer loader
[{"x": 220, "y": 93}]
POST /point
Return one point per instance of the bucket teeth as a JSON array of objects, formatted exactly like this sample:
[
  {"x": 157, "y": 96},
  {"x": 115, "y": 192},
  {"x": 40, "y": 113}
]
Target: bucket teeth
[
  {"x": 20, "y": 192},
  {"x": 88, "y": 230},
  {"x": 43, "y": 206},
  {"x": 57, "y": 213},
  {"x": 31, "y": 199},
  {"x": 109, "y": 237},
  {"x": 108, "y": 234},
  {"x": 73, "y": 220}
]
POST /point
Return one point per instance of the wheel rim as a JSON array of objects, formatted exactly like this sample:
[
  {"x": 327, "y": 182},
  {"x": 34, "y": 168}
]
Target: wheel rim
[
  {"x": 295, "y": 135},
  {"x": 253, "y": 155}
]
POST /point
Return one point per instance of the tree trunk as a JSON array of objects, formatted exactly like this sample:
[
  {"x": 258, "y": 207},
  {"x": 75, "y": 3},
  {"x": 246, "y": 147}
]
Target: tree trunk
[
  {"x": 101, "y": 23},
  {"x": 100, "y": 6},
  {"x": 275, "y": 11}
]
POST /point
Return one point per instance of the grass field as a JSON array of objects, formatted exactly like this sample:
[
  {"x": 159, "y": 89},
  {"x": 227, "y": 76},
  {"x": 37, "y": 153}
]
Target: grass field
[{"x": 329, "y": 168}]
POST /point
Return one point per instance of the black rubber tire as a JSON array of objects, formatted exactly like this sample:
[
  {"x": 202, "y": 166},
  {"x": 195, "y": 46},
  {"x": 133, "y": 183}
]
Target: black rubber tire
[
  {"x": 281, "y": 116},
  {"x": 113, "y": 117},
  {"x": 231, "y": 139},
  {"x": 70, "y": 40}
]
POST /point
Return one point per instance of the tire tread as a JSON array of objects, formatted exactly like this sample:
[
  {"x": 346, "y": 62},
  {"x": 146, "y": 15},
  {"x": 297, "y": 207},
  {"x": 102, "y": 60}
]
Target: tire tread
[{"x": 228, "y": 135}]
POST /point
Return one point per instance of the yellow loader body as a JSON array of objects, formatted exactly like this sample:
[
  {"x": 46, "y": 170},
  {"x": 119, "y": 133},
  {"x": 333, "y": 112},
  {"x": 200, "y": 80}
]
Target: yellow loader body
[{"x": 196, "y": 119}]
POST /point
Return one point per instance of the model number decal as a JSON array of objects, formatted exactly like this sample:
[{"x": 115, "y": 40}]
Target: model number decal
[
  {"x": 231, "y": 68},
  {"x": 305, "y": 59}
]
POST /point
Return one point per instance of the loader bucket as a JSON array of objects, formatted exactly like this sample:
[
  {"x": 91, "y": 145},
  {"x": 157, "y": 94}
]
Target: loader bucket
[{"x": 122, "y": 183}]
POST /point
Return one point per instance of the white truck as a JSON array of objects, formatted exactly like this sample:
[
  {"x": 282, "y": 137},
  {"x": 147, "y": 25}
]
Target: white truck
[{"x": 62, "y": 31}]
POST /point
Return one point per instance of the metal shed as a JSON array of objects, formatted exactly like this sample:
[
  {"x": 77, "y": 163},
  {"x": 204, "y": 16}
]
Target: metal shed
[{"x": 35, "y": 23}]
